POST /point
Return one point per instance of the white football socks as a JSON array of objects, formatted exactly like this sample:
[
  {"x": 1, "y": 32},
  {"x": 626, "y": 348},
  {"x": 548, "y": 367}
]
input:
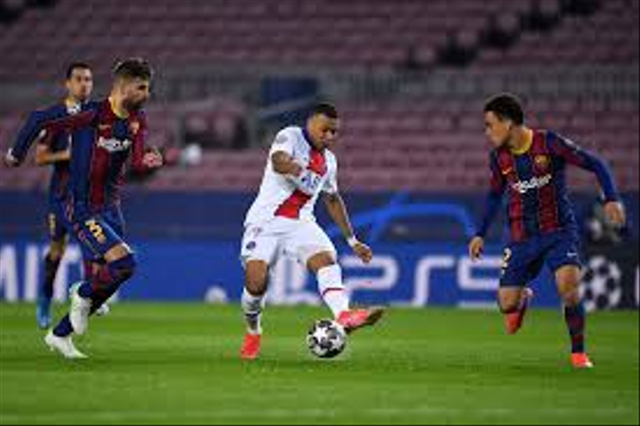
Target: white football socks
[
  {"x": 332, "y": 289},
  {"x": 252, "y": 307}
]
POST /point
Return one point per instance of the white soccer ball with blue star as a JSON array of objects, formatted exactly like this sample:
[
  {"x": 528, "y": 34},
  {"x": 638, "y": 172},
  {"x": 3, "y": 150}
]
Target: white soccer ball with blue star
[{"x": 326, "y": 338}]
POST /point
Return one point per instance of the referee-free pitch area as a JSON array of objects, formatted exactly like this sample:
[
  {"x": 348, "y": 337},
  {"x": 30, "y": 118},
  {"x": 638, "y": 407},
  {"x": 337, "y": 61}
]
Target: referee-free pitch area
[{"x": 178, "y": 364}]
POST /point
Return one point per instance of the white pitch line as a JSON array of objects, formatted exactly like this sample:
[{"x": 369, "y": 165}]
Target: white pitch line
[{"x": 289, "y": 413}]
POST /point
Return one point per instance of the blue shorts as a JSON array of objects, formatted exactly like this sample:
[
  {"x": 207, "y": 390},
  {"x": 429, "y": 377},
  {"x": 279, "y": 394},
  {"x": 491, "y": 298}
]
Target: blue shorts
[
  {"x": 57, "y": 223},
  {"x": 97, "y": 233},
  {"x": 523, "y": 261}
]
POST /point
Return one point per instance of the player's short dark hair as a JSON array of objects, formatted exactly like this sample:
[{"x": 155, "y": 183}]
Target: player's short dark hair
[
  {"x": 77, "y": 65},
  {"x": 133, "y": 68},
  {"x": 324, "y": 108},
  {"x": 506, "y": 106}
]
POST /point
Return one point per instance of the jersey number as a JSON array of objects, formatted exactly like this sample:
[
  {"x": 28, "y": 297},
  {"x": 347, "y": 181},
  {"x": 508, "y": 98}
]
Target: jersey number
[
  {"x": 96, "y": 230},
  {"x": 506, "y": 257}
]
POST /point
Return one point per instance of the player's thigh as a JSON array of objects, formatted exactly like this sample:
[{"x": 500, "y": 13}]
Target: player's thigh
[
  {"x": 564, "y": 260},
  {"x": 309, "y": 244},
  {"x": 260, "y": 244},
  {"x": 521, "y": 263},
  {"x": 98, "y": 240}
]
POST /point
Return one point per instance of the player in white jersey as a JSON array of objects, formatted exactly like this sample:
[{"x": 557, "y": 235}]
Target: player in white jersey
[{"x": 301, "y": 168}]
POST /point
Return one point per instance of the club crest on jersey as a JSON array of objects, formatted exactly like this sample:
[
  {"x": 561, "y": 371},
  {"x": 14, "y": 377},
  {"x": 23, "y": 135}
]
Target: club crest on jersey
[
  {"x": 114, "y": 145},
  {"x": 542, "y": 162}
]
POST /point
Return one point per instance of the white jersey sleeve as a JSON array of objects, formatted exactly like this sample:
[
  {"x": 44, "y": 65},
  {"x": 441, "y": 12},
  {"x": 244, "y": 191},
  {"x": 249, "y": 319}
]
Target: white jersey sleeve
[
  {"x": 331, "y": 184},
  {"x": 285, "y": 141}
]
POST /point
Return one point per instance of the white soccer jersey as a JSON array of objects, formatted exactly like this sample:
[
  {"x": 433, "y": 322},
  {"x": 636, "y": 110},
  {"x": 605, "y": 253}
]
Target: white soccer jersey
[{"x": 278, "y": 196}]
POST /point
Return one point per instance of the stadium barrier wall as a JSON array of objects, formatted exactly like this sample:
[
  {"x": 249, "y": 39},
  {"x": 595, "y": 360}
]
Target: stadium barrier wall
[{"x": 418, "y": 272}]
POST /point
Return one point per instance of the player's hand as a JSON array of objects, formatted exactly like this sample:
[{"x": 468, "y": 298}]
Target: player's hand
[
  {"x": 65, "y": 155},
  {"x": 614, "y": 211},
  {"x": 363, "y": 251},
  {"x": 476, "y": 247},
  {"x": 153, "y": 159},
  {"x": 10, "y": 160}
]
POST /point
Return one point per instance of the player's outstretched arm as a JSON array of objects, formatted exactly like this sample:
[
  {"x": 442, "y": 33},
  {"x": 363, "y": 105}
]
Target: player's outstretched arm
[
  {"x": 572, "y": 154},
  {"x": 338, "y": 212},
  {"x": 45, "y": 156},
  {"x": 30, "y": 131},
  {"x": 48, "y": 126}
]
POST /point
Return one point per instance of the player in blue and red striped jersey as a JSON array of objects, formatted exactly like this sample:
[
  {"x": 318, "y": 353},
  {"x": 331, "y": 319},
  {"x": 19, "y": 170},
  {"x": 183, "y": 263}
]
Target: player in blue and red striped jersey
[
  {"x": 57, "y": 153},
  {"x": 107, "y": 136},
  {"x": 530, "y": 165}
]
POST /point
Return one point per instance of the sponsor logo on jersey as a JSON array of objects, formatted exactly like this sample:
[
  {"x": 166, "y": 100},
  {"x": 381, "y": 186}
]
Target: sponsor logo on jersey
[
  {"x": 533, "y": 183},
  {"x": 114, "y": 145}
]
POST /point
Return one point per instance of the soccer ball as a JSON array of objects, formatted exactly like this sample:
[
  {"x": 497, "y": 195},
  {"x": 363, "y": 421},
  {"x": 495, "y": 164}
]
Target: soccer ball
[
  {"x": 326, "y": 338},
  {"x": 602, "y": 284}
]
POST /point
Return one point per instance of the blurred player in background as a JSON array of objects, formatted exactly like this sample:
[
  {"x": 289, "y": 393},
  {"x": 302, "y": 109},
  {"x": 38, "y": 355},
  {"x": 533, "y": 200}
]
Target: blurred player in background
[
  {"x": 530, "y": 165},
  {"x": 106, "y": 136},
  {"x": 55, "y": 153},
  {"x": 301, "y": 168}
]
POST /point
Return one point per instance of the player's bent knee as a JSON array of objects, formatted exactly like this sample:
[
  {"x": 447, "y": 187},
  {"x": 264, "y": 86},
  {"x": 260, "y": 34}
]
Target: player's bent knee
[
  {"x": 256, "y": 288},
  {"x": 568, "y": 282},
  {"x": 256, "y": 279},
  {"x": 118, "y": 252},
  {"x": 123, "y": 268},
  {"x": 570, "y": 293},
  {"x": 568, "y": 275},
  {"x": 257, "y": 285},
  {"x": 509, "y": 300}
]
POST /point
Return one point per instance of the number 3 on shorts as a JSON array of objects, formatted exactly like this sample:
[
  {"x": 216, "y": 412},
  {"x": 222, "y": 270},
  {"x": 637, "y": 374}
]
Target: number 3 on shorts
[{"x": 96, "y": 230}]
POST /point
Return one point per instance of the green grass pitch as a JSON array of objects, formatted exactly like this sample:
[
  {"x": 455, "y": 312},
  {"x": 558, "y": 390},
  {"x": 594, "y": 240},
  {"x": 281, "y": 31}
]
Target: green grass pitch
[{"x": 177, "y": 364}]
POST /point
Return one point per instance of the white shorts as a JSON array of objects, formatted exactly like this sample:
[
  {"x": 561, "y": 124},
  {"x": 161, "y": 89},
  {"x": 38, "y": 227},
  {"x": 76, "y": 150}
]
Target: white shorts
[{"x": 280, "y": 236}]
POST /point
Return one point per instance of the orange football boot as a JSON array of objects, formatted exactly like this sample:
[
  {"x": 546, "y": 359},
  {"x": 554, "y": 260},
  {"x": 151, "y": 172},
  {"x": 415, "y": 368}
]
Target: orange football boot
[
  {"x": 354, "y": 319},
  {"x": 250, "y": 347},
  {"x": 580, "y": 360}
]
